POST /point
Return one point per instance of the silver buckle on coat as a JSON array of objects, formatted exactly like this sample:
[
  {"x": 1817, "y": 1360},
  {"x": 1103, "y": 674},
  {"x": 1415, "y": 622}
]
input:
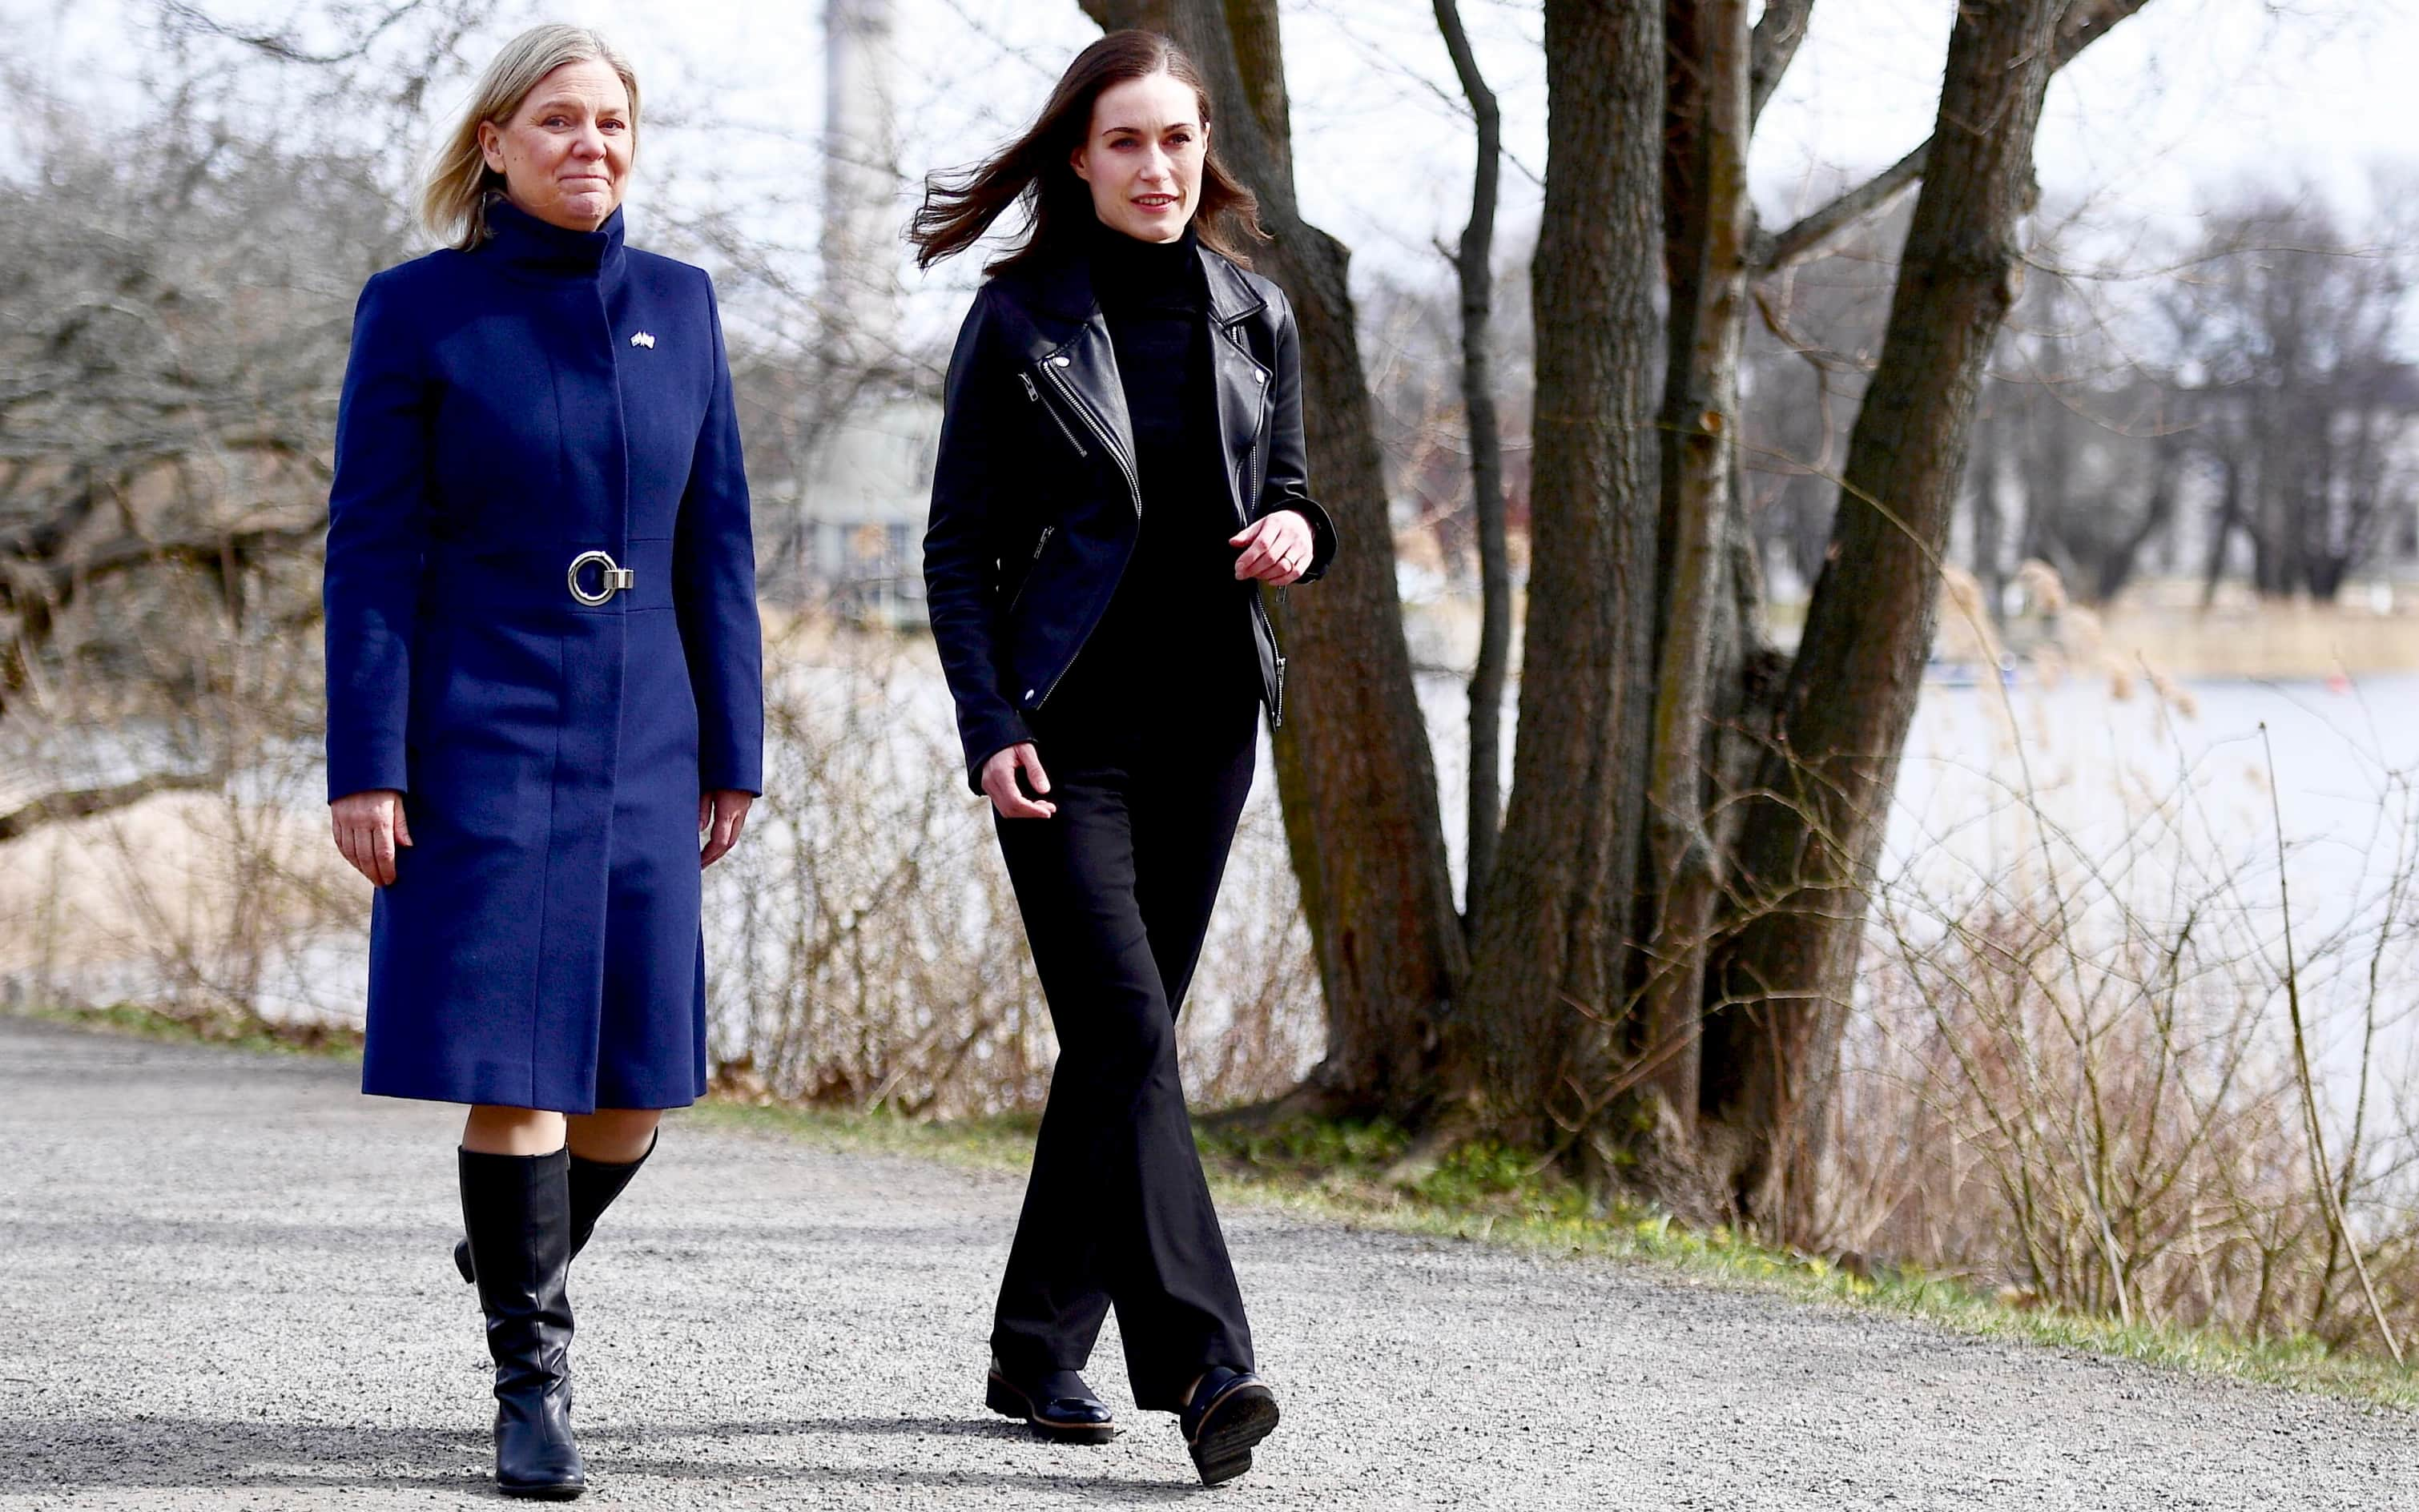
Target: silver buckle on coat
[{"x": 613, "y": 577}]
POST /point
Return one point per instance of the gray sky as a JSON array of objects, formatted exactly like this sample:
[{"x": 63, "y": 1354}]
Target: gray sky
[{"x": 2180, "y": 100}]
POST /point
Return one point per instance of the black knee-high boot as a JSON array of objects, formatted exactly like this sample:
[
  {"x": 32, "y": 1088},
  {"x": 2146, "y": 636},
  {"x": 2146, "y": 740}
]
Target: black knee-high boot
[
  {"x": 517, "y": 1211},
  {"x": 594, "y": 1184}
]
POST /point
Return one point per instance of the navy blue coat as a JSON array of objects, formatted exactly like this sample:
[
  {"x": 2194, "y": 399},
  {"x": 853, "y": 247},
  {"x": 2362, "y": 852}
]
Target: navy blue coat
[{"x": 504, "y": 410}]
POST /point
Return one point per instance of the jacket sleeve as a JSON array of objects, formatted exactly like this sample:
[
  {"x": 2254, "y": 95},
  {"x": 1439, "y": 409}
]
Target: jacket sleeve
[
  {"x": 377, "y": 530},
  {"x": 713, "y": 592},
  {"x": 960, "y": 543},
  {"x": 1288, "y": 475}
]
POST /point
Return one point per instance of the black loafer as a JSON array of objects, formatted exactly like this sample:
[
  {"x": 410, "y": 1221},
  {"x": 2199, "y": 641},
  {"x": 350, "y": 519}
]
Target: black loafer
[
  {"x": 1230, "y": 1411},
  {"x": 1058, "y": 1406}
]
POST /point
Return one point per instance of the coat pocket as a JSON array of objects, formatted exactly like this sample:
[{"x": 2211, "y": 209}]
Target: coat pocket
[{"x": 1032, "y": 565}]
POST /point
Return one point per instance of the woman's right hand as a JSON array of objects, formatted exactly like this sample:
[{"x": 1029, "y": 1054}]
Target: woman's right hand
[
  {"x": 369, "y": 825},
  {"x": 999, "y": 780}
]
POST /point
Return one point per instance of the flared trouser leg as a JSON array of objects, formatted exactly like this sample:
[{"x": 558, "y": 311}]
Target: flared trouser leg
[{"x": 1116, "y": 891}]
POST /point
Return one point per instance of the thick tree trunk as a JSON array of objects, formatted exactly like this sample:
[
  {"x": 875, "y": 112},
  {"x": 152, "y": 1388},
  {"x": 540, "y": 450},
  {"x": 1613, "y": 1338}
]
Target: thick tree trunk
[
  {"x": 1546, "y": 968},
  {"x": 2049, "y": 481},
  {"x": 1809, "y": 849},
  {"x": 1475, "y": 264},
  {"x": 1706, "y": 224},
  {"x": 1354, "y": 769},
  {"x": 2158, "y": 512}
]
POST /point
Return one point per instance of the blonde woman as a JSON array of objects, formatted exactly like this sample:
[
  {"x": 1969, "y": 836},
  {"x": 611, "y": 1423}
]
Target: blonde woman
[{"x": 544, "y": 709}]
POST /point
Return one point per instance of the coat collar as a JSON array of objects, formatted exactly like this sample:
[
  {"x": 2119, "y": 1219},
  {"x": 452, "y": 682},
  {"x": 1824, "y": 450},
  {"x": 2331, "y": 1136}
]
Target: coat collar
[
  {"x": 1232, "y": 298},
  {"x": 1063, "y": 288},
  {"x": 529, "y": 245},
  {"x": 1065, "y": 332}
]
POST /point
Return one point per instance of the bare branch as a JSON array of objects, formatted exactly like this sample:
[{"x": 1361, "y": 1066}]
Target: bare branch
[
  {"x": 82, "y": 803},
  {"x": 2086, "y": 23},
  {"x": 284, "y": 46},
  {"x": 1807, "y": 239},
  {"x": 1778, "y": 32},
  {"x": 2081, "y": 26}
]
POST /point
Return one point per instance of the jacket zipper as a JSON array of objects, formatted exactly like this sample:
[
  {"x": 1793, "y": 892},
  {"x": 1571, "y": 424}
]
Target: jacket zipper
[
  {"x": 1276, "y": 710},
  {"x": 1038, "y": 547},
  {"x": 1052, "y": 365},
  {"x": 1058, "y": 377},
  {"x": 1035, "y": 394}
]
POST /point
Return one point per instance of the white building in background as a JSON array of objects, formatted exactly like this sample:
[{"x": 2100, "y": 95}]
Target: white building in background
[
  {"x": 866, "y": 482},
  {"x": 862, "y": 500}
]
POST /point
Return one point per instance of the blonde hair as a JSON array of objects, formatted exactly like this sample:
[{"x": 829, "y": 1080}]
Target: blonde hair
[{"x": 453, "y": 201}]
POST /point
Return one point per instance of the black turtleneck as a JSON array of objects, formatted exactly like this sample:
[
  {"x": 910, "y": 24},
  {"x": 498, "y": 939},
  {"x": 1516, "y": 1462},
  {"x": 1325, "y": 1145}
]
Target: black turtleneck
[{"x": 1179, "y": 598}]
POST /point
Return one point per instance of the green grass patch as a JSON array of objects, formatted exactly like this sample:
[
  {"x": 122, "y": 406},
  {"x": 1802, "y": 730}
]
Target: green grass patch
[
  {"x": 1481, "y": 1192},
  {"x": 1488, "y": 1192},
  {"x": 1002, "y": 1142},
  {"x": 258, "y": 1035}
]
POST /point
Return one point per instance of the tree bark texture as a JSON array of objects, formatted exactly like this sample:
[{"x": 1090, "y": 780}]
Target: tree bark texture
[
  {"x": 1812, "y": 842},
  {"x": 1354, "y": 770},
  {"x": 1706, "y": 224},
  {"x": 1546, "y": 967}
]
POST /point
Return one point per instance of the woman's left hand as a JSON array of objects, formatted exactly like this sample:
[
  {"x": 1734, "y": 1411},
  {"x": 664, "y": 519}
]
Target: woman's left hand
[
  {"x": 719, "y": 814},
  {"x": 1277, "y": 547}
]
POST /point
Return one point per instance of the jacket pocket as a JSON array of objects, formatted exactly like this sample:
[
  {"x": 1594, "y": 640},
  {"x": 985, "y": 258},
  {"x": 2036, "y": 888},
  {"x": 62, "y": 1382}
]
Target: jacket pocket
[{"x": 1032, "y": 565}]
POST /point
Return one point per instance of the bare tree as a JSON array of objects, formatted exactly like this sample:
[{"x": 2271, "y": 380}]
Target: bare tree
[
  {"x": 1814, "y": 829},
  {"x": 174, "y": 332},
  {"x": 2288, "y": 361},
  {"x": 1473, "y": 266}
]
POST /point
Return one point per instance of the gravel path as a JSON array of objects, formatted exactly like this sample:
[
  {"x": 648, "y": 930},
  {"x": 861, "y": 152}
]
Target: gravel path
[{"x": 226, "y": 1287}]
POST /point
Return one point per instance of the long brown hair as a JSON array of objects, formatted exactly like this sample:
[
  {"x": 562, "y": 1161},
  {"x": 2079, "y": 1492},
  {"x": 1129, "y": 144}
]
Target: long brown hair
[{"x": 1034, "y": 169}]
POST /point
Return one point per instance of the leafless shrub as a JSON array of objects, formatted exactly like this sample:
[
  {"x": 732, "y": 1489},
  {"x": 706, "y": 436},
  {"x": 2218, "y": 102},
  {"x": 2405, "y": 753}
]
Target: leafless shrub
[
  {"x": 865, "y": 947},
  {"x": 2075, "y": 1076}
]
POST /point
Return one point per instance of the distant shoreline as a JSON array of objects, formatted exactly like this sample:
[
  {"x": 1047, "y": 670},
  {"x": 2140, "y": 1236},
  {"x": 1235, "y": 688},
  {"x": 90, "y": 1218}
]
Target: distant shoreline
[
  {"x": 2255, "y": 642},
  {"x": 2158, "y": 628}
]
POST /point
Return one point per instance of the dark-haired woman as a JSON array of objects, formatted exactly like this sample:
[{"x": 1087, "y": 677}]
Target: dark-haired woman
[{"x": 1120, "y": 471}]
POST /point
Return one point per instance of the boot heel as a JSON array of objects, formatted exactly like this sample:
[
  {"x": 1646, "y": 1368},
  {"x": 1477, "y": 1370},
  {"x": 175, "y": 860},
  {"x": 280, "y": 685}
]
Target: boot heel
[
  {"x": 1059, "y": 1408},
  {"x": 1231, "y": 1412},
  {"x": 1005, "y": 1400}
]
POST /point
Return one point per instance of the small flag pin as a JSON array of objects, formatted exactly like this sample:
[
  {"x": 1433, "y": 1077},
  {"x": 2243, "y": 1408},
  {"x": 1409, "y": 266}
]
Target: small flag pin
[{"x": 642, "y": 339}]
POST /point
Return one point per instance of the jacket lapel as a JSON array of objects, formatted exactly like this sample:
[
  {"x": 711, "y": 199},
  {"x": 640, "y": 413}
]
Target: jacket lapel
[
  {"x": 1069, "y": 349},
  {"x": 1240, "y": 381},
  {"x": 1086, "y": 364}
]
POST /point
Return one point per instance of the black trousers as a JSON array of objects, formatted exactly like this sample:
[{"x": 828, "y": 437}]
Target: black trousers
[{"x": 1115, "y": 889}]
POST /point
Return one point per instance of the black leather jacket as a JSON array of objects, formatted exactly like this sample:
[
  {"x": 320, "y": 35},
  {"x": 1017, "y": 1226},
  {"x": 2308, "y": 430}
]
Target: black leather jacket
[{"x": 1036, "y": 502}]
